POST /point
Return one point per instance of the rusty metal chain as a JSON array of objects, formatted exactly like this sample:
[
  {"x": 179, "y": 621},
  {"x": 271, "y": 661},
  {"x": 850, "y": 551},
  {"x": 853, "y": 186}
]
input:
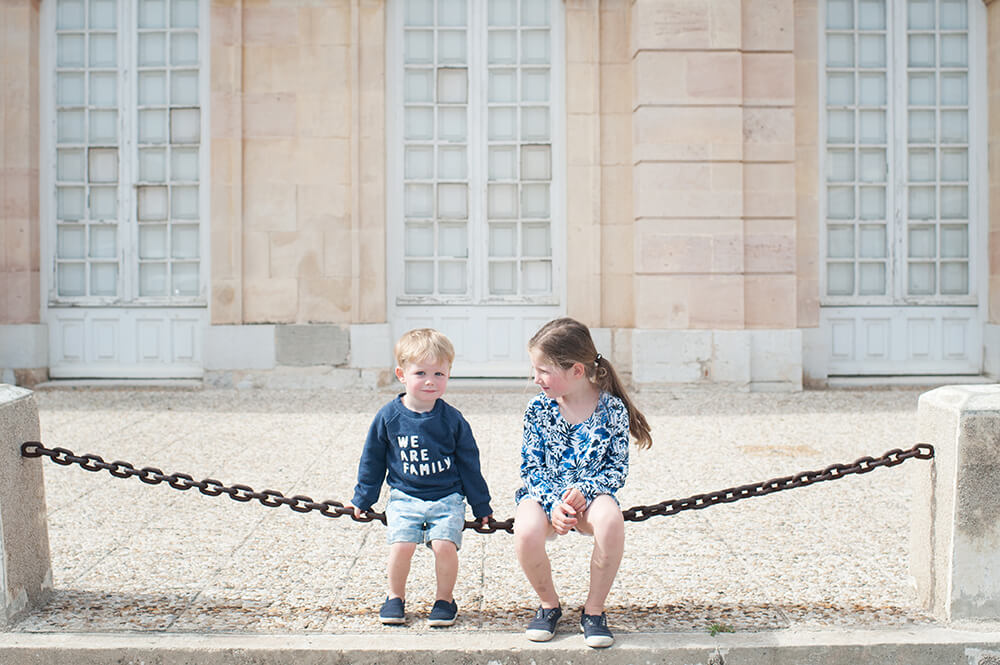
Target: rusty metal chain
[{"x": 304, "y": 504}]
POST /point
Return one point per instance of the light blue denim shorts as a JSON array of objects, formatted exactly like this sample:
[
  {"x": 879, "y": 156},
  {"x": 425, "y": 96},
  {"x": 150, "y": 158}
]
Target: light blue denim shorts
[{"x": 413, "y": 520}]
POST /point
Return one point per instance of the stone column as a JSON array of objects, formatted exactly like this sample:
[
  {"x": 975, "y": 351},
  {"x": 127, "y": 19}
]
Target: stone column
[
  {"x": 955, "y": 546},
  {"x": 25, "y": 567}
]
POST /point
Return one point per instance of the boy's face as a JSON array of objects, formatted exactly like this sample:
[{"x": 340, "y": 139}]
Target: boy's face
[{"x": 425, "y": 381}]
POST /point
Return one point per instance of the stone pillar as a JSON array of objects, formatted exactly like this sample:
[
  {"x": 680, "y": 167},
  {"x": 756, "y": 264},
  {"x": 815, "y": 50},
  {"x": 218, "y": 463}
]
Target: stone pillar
[
  {"x": 25, "y": 567},
  {"x": 955, "y": 546}
]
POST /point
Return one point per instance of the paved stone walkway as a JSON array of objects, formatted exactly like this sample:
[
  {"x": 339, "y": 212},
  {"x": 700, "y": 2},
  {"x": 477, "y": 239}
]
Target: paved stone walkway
[{"x": 131, "y": 557}]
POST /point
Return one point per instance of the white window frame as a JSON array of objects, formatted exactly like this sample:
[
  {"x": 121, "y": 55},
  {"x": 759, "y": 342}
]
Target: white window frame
[
  {"x": 128, "y": 166},
  {"x": 896, "y": 156},
  {"x": 477, "y": 142}
]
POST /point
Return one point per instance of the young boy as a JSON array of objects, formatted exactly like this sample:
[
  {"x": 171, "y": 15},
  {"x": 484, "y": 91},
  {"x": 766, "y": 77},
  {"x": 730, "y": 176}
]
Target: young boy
[{"x": 427, "y": 450}]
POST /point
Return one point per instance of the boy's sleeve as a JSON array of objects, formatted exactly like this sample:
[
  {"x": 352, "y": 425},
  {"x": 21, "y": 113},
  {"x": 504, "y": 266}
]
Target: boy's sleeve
[
  {"x": 537, "y": 479},
  {"x": 467, "y": 458},
  {"x": 372, "y": 467},
  {"x": 610, "y": 476}
]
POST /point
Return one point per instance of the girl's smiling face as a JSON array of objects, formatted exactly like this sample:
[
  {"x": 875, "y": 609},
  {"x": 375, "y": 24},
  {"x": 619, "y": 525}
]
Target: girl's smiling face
[{"x": 554, "y": 381}]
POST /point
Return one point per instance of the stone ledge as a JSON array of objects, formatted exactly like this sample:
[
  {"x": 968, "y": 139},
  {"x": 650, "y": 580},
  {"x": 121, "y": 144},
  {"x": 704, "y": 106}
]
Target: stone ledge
[{"x": 917, "y": 646}]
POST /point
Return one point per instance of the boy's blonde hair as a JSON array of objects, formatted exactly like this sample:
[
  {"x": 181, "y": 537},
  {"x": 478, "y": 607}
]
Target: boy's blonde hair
[{"x": 422, "y": 344}]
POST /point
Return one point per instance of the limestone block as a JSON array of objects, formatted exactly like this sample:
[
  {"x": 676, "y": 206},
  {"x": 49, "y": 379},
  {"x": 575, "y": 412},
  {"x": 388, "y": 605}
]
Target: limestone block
[
  {"x": 692, "y": 190},
  {"x": 338, "y": 250},
  {"x": 768, "y": 134},
  {"x": 24, "y": 346},
  {"x": 238, "y": 347},
  {"x": 689, "y": 301},
  {"x": 371, "y": 346},
  {"x": 25, "y": 565},
  {"x": 955, "y": 546},
  {"x": 769, "y": 79},
  {"x": 323, "y": 208},
  {"x": 770, "y": 301},
  {"x": 767, "y": 191},
  {"x": 269, "y": 206},
  {"x": 671, "y": 356},
  {"x": 269, "y": 115},
  {"x": 769, "y": 245},
  {"x": 689, "y": 246},
  {"x": 768, "y": 25},
  {"x": 617, "y": 299},
  {"x": 23, "y": 302},
  {"x": 665, "y": 133},
  {"x": 227, "y": 302},
  {"x": 776, "y": 360},
  {"x": 678, "y": 24},
  {"x": 702, "y": 78},
  {"x": 270, "y": 300},
  {"x": 326, "y": 299},
  {"x": 312, "y": 344},
  {"x": 731, "y": 357},
  {"x": 991, "y": 344},
  {"x": 296, "y": 254},
  {"x": 269, "y": 25}
]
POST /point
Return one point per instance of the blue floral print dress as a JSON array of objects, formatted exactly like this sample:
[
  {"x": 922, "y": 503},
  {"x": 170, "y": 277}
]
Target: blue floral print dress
[{"x": 555, "y": 456}]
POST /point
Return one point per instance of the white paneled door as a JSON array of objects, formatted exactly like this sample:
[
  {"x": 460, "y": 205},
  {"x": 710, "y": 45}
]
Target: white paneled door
[
  {"x": 123, "y": 196},
  {"x": 904, "y": 216},
  {"x": 475, "y": 174}
]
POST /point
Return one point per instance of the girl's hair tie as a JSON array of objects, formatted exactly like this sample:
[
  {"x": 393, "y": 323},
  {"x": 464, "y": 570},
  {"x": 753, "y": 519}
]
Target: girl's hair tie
[{"x": 597, "y": 360}]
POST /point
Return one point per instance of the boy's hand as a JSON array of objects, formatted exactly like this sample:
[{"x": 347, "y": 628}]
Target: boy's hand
[
  {"x": 486, "y": 520},
  {"x": 574, "y": 498},
  {"x": 563, "y": 518},
  {"x": 358, "y": 513}
]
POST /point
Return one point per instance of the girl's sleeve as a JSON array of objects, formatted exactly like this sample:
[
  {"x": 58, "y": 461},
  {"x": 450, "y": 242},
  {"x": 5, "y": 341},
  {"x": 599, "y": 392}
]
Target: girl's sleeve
[
  {"x": 537, "y": 478},
  {"x": 608, "y": 473}
]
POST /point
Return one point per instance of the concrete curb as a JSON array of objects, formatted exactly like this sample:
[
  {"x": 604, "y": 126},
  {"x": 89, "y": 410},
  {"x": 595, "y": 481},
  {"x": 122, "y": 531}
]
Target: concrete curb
[{"x": 920, "y": 645}]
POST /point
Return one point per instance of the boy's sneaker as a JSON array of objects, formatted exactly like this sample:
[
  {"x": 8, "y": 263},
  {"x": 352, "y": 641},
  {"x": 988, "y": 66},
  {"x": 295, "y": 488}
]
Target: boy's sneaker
[
  {"x": 595, "y": 630},
  {"x": 391, "y": 613},
  {"x": 443, "y": 613},
  {"x": 543, "y": 626}
]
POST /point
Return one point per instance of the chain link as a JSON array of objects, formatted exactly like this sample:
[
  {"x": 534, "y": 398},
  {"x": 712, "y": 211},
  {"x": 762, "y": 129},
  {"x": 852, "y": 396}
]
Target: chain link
[{"x": 304, "y": 504}]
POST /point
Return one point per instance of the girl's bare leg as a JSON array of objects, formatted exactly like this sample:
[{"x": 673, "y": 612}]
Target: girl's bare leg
[
  {"x": 445, "y": 568},
  {"x": 603, "y": 520},
  {"x": 531, "y": 528},
  {"x": 400, "y": 555}
]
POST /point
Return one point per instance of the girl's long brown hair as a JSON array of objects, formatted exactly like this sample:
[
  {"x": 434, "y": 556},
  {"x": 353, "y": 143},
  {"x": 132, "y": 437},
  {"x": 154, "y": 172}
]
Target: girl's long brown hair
[{"x": 566, "y": 342}]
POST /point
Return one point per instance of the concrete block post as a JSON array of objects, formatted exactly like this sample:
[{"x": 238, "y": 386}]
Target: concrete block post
[
  {"x": 955, "y": 546},
  {"x": 25, "y": 566}
]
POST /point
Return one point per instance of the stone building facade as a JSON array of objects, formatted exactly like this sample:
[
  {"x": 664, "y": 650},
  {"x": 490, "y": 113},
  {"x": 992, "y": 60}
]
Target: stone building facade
[{"x": 763, "y": 193}]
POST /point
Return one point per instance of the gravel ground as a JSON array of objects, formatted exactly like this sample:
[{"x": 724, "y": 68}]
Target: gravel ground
[{"x": 132, "y": 557}]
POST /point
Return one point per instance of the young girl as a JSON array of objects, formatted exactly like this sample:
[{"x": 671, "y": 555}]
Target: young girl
[{"x": 573, "y": 460}]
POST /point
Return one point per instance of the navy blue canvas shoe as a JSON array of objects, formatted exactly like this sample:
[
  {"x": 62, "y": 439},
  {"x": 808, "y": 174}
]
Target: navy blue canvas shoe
[
  {"x": 443, "y": 613},
  {"x": 595, "y": 630},
  {"x": 543, "y": 626},
  {"x": 392, "y": 613}
]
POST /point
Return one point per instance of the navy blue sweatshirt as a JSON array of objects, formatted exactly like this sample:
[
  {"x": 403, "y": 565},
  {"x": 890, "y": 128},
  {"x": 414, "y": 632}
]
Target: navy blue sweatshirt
[{"x": 427, "y": 455}]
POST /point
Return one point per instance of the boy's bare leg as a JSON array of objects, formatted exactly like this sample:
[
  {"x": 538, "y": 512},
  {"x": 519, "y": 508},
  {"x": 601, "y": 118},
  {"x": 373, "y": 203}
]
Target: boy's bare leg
[
  {"x": 445, "y": 568},
  {"x": 531, "y": 528},
  {"x": 400, "y": 555},
  {"x": 603, "y": 519}
]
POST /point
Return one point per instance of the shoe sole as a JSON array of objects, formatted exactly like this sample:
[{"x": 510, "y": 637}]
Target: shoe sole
[
  {"x": 392, "y": 621},
  {"x": 598, "y": 641},
  {"x": 538, "y": 635},
  {"x": 441, "y": 623}
]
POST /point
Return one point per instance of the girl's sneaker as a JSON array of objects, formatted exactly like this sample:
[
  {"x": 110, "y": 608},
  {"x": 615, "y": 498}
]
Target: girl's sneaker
[
  {"x": 595, "y": 630},
  {"x": 443, "y": 613},
  {"x": 392, "y": 613},
  {"x": 543, "y": 626}
]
